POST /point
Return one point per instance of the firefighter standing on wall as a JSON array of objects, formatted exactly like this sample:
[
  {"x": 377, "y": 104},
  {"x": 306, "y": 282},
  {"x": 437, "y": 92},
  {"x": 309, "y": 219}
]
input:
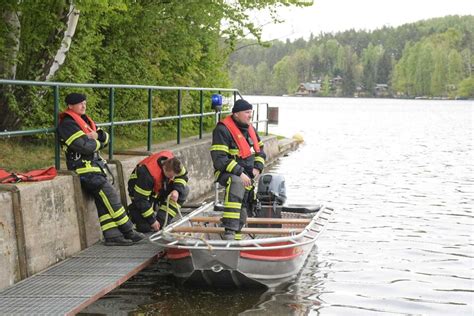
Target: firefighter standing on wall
[
  {"x": 238, "y": 157},
  {"x": 158, "y": 189},
  {"x": 82, "y": 140}
]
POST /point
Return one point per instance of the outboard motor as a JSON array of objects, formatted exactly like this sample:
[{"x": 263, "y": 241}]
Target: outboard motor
[
  {"x": 271, "y": 189},
  {"x": 271, "y": 195}
]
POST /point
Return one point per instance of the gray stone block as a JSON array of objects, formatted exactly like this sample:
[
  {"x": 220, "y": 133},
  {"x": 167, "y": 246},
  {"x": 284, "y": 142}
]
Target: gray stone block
[
  {"x": 9, "y": 273},
  {"x": 50, "y": 222}
]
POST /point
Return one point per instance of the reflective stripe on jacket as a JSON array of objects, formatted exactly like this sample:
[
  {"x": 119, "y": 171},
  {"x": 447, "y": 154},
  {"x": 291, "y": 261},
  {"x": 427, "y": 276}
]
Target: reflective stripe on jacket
[
  {"x": 82, "y": 152},
  {"x": 155, "y": 170}
]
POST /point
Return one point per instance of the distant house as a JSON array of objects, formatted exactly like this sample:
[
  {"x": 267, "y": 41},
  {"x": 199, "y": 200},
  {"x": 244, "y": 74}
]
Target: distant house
[
  {"x": 359, "y": 91},
  {"x": 381, "y": 90},
  {"x": 308, "y": 89},
  {"x": 336, "y": 81}
]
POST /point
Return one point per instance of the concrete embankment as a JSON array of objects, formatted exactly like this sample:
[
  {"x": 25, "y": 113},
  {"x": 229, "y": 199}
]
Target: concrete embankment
[{"x": 42, "y": 223}]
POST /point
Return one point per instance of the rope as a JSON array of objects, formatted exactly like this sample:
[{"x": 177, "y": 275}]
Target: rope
[
  {"x": 167, "y": 206},
  {"x": 185, "y": 235}
]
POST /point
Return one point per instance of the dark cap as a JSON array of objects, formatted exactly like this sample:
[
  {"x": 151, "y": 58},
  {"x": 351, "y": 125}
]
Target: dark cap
[
  {"x": 74, "y": 98},
  {"x": 241, "y": 105}
]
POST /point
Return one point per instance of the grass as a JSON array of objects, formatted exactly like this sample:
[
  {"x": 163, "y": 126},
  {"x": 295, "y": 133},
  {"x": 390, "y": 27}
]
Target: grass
[{"x": 21, "y": 154}]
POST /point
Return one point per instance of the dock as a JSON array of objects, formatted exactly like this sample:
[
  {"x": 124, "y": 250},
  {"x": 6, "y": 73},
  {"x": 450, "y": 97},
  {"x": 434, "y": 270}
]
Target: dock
[{"x": 71, "y": 285}]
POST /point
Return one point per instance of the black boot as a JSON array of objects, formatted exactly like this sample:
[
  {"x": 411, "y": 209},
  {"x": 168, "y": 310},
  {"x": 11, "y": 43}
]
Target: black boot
[
  {"x": 117, "y": 241},
  {"x": 228, "y": 235},
  {"x": 134, "y": 236}
]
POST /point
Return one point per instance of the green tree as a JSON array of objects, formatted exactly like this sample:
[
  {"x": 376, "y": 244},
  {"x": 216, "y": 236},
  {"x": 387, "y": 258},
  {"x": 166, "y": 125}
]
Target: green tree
[
  {"x": 370, "y": 59},
  {"x": 424, "y": 70},
  {"x": 399, "y": 55},
  {"x": 284, "y": 77},
  {"x": 384, "y": 67},
  {"x": 341, "y": 61},
  {"x": 300, "y": 62},
  {"x": 348, "y": 81},
  {"x": 432, "y": 65},
  {"x": 245, "y": 79},
  {"x": 439, "y": 73},
  {"x": 466, "y": 88},
  {"x": 263, "y": 77},
  {"x": 326, "y": 87},
  {"x": 468, "y": 60},
  {"x": 126, "y": 41},
  {"x": 455, "y": 67}
]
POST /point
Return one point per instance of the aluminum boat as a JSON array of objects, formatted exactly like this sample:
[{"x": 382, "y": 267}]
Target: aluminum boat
[{"x": 272, "y": 250}]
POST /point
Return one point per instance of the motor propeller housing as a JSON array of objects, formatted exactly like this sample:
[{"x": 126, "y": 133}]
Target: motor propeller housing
[{"x": 271, "y": 189}]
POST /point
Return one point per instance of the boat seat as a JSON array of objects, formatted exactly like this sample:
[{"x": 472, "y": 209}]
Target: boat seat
[
  {"x": 284, "y": 208},
  {"x": 246, "y": 230},
  {"x": 254, "y": 220}
]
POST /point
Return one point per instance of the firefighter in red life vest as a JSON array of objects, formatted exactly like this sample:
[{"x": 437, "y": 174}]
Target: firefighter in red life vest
[
  {"x": 82, "y": 140},
  {"x": 158, "y": 189},
  {"x": 238, "y": 157}
]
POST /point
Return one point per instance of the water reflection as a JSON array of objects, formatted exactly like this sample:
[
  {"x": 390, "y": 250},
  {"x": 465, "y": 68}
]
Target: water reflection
[
  {"x": 298, "y": 298},
  {"x": 155, "y": 292}
]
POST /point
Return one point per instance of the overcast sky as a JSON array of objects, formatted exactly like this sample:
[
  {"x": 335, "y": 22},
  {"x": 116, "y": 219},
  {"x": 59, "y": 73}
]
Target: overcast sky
[{"x": 340, "y": 15}]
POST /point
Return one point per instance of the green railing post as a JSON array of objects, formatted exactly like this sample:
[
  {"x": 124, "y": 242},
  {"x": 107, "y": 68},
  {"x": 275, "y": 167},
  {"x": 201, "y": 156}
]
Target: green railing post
[
  {"x": 57, "y": 148},
  {"x": 150, "y": 101},
  {"x": 201, "y": 110},
  {"x": 178, "y": 127},
  {"x": 111, "y": 120}
]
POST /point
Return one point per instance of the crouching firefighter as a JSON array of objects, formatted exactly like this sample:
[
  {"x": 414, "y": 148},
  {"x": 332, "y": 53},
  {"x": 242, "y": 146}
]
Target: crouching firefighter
[
  {"x": 238, "y": 157},
  {"x": 81, "y": 140},
  {"x": 158, "y": 188}
]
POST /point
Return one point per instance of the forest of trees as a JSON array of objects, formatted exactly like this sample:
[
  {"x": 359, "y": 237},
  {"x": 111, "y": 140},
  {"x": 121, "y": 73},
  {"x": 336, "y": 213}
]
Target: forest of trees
[
  {"x": 206, "y": 44},
  {"x": 162, "y": 42},
  {"x": 431, "y": 58}
]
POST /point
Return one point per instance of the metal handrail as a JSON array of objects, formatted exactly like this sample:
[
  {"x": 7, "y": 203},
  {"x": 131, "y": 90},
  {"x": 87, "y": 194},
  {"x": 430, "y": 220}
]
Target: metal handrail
[{"x": 111, "y": 123}]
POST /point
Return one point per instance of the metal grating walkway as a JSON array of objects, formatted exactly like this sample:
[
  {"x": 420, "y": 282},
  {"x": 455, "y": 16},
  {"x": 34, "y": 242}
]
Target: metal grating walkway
[{"x": 71, "y": 285}]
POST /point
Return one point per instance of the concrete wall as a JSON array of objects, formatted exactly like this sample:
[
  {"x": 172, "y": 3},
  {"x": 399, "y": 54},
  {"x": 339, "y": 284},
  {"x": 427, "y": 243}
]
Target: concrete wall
[
  {"x": 10, "y": 267},
  {"x": 50, "y": 222},
  {"x": 42, "y": 223}
]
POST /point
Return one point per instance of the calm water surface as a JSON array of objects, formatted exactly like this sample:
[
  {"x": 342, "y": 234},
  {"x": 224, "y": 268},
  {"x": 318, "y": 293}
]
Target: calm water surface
[{"x": 399, "y": 174}]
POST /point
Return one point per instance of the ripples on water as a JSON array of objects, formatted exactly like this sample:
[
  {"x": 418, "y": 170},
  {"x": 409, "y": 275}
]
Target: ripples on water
[{"x": 400, "y": 176}]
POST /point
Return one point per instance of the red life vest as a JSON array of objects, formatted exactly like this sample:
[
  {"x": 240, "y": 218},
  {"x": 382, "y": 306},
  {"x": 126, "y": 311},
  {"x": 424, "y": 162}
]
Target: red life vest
[
  {"x": 34, "y": 175},
  {"x": 86, "y": 128},
  {"x": 155, "y": 170},
  {"x": 239, "y": 138}
]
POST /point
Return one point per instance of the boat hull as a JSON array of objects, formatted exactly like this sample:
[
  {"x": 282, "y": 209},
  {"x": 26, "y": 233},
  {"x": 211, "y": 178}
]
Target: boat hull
[
  {"x": 232, "y": 268},
  {"x": 268, "y": 256}
]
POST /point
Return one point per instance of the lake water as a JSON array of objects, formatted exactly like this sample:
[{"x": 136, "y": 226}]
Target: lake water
[{"x": 400, "y": 176}]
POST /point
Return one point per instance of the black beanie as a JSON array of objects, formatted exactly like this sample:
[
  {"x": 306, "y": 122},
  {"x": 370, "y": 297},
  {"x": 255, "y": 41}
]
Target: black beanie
[
  {"x": 241, "y": 105},
  {"x": 74, "y": 98}
]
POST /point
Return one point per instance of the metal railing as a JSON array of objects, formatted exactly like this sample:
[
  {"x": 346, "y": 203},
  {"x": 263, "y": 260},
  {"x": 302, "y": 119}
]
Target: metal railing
[
  {"x": 111, "y": 100},
  {"x": 308, "y": 234}
]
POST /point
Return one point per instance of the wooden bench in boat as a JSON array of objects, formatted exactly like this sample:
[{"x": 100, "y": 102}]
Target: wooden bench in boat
[
  {"x": 255, "y": 220},
  {"x": 246, "y": 230}
]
